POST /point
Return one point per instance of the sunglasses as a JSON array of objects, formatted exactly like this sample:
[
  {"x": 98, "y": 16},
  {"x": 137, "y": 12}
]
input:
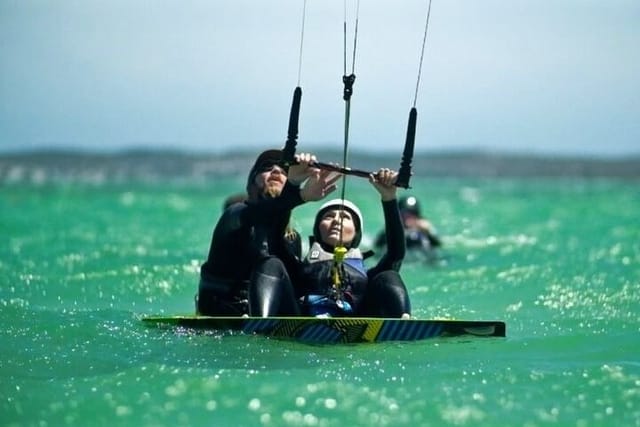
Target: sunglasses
[{"x": 268, "y": 167}]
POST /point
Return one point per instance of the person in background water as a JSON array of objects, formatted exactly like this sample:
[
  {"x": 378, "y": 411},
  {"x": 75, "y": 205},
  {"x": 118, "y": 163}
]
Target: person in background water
[
  {"x": 326, "y": 287},
  {"x": 240, "y": 275},
  {"x": 419, "y": 232}
]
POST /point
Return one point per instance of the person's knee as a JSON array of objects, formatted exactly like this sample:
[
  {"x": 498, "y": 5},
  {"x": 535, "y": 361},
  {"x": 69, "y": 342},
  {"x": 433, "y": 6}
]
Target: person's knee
[
  {"x": 387, "y": 295},
  {"x": 387, "y": 279},
  {"x": 271, "y": 266}
]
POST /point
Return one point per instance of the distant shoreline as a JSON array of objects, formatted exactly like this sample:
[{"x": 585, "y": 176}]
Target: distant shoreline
[{"x": 144, "y": 163}]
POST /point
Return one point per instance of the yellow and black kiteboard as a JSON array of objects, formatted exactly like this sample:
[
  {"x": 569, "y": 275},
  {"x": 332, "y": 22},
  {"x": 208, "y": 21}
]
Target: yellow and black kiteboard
[{"x": 335, "y": 330}]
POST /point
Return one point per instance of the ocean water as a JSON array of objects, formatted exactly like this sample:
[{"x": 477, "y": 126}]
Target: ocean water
[{"x": 556, "y": 259}]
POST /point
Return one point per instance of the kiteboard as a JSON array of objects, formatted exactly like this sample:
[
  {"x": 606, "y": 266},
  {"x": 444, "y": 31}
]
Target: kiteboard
[{"x": 335, "y": 330}]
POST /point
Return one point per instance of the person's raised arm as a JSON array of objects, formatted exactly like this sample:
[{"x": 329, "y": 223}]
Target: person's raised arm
[{"x": 384, "y": 182}]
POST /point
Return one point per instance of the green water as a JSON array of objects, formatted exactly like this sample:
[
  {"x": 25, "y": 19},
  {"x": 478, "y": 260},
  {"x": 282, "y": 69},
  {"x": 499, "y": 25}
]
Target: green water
[{"x": 556, "y": 259}]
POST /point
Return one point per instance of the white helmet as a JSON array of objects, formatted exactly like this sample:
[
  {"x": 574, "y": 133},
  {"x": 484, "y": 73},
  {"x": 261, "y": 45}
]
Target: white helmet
[{"x": 341, "y": 204}]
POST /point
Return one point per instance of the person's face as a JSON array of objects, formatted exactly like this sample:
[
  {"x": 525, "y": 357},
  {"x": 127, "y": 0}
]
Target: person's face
[
  {"x": 329, "y": 227},
  {"x": 409, "y": 219},
  {"x": 271, "y": 179}
]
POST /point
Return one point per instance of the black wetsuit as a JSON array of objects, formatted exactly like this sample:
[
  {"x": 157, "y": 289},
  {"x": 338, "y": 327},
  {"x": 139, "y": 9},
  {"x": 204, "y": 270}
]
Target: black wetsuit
[
  {"x": 415, "y": 239},
  {"x": 240, "y": 275},
  {"x": 378, "y": 291}
]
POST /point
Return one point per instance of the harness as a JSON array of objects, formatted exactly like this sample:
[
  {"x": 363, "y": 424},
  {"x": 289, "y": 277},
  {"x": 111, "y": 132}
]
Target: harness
[{"x": 337, "y": 300}]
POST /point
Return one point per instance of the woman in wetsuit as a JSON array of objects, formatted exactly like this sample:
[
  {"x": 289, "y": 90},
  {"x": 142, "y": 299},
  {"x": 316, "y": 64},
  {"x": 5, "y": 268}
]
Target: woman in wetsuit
[
  {"x": 329, "y": 286},
  {"x": 241, "y": 276}
]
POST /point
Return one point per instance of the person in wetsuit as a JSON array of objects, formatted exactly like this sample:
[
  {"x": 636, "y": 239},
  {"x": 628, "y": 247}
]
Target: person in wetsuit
[
  {"x": 419, "y": 232},
  {"x": 327, "y": 287},
  {"x": 241, "y": 276}
]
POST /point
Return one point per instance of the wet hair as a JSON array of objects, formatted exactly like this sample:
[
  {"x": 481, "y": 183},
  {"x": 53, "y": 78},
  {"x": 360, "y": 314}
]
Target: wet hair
[{"x": 340, "y": 204}]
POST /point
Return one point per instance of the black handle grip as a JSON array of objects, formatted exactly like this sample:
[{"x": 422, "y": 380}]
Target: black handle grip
[
  {"x": 404, "y": 174},
  {"x": 289, "y": 149}
]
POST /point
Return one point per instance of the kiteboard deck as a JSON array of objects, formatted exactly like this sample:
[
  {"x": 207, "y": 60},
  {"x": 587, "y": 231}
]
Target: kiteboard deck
[{"x": 317, "y": 330}]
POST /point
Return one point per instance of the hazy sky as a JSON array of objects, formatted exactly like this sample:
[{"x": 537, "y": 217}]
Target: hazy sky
[{"x": 559, "y": 77}]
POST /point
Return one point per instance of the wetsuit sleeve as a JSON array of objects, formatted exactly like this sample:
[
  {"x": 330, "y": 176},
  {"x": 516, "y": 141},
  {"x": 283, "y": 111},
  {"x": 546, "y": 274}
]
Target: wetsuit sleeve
[
  {"x": 264, "y": 210},
  {"x": 396, "y": 245},
  {"x": 434, "y": 240},
  {"x": 234, "y": 226}
]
